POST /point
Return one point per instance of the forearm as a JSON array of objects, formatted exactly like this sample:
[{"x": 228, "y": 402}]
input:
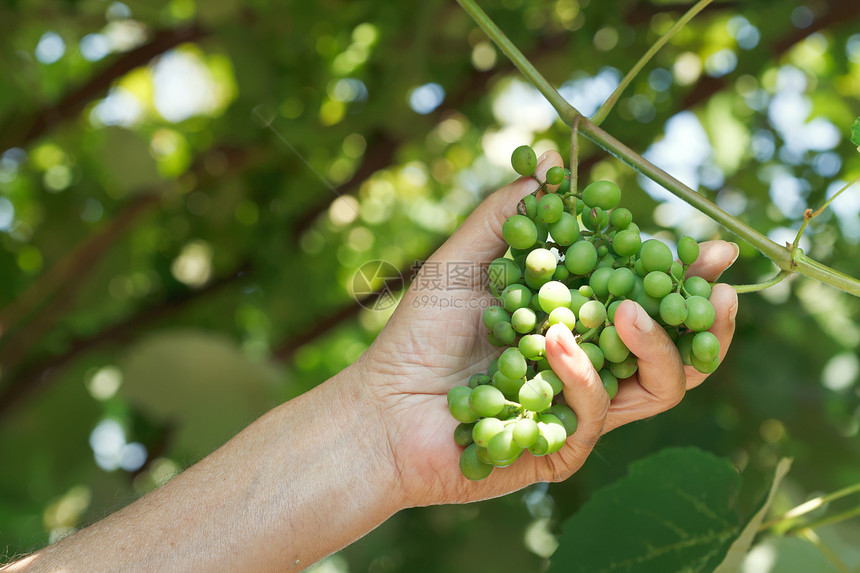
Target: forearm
[{"x": 307, "y": 478}]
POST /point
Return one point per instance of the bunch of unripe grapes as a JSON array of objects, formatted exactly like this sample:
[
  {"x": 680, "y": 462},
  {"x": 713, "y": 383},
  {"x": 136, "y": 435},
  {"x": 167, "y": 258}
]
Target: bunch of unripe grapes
[{"x": 574, "y": 256}]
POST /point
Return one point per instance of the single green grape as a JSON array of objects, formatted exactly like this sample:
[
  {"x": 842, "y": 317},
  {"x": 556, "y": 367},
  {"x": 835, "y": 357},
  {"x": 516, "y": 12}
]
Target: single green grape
[
  {"x": 524, "y": 160},
  {"x": 562, "y": 315},
  {"x": 533, "y": 346},
  {"x": 697, "y": 286},
  {"x": 519, "y": 232},
  {"x": 610, "y": 310},
  {"x": 553, "y": 431},
  {"x": 592, "y": 314},
  {"x": 610, "y": 382},
  {"x": 510, "y": 387},
  {"x": 485, "y": 429},
  {"x": 673, "y": 309},
  {"x": 478, "y": 379},
  {"x": 504, "y": 332},
  {"x": 613, "y": 348},
  {"x": 620, "y": 282},
  {"x": 551, "y": 378},
  {"x": 540, "y": 265},
  {"x": 595, "y": 355},
  {"x": 655, "y": 256},
  {"x": 700, "y": 314},
  {"x": 564, "y": 186},
  {"x": 486, "y": 401},
  {"x": 555, "y": 175},
  {"x": 685, "y": 347},
  {"x": 688, "y": 250},
  {"x": 595, "y": 218},
  {"x": 516, "y": 296},
  {"x": 626, "y": 243},
  {"x": 550, "y": 208},
  {"x": 525, "y": 432},
  {"x": 503, "y": 272},
  {"x": 706, "y": 346},
  {"x": 561, "y": 273},
  {"x": 704, "y": 366},
  {"x": 552, "y": 295},
  {"x": 576, "y": 300},
  {"x": 602, "y": 194},
  {"x": 458, "y": 391},
  {"x": 599, "y": 281},
  {"x": 502, "y": 449},
  {"x": 625, "y": 368},
  {"x": 460, "y": 409},
  {"x": 566, "y": 416},
  {"x": 620, "y": 218},
  {"x": 463, "y": 434},
  {"x": 565, "y": 231},
  {"x": 523, "y": 320},
  {"x": 580, "y": 258},
  {"x": 586, "y": 291},
  {"x": 536, "y": 395},
  {"x": 542, "y": 230},
  {"x": 649, "y": 303},
  {"x": 493, "y": 315},
  {"x": 512, "y": 364},
  {"x": 471, "y": 466},
  {"x": 657, "y": 284},
  {"x": 530, "y": 204}
]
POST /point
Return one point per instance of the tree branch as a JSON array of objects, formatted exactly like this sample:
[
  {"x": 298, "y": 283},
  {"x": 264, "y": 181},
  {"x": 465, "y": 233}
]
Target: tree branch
[{"x": 42, "y": 120}]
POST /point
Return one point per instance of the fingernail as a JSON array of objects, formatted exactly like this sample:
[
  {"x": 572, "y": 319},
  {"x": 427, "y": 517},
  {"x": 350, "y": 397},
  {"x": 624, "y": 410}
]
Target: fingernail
[
  {"x": 642, "y": 322},
  {"x": 737, "y": 252}
]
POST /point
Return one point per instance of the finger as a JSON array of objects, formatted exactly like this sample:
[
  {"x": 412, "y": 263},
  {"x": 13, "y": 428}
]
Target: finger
[
  {"x": 714, "y": 258},
  {"x": 725, "y": 301},
  {"x": 479, "y": 238},
  {"x": 659, "y": 383},
  {"x": 583, "y": 392}
]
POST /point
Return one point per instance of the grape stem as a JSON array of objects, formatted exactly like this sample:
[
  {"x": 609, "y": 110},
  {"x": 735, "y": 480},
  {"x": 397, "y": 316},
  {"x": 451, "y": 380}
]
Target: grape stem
[
  {"x": 788, "y": 259},
  {"x": 574, "y": 155},
  {"x": 810, "y": 505},
  {"x": 831, "y": 556},
  {"x": 809, "y": 214},
  {"x": 762, "y": 285},
  {"x": 610, "y": 102}
]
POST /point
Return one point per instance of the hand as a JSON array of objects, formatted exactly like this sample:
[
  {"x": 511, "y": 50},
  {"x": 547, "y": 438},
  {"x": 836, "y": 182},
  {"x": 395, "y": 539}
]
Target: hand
[{"x": 427, "y": 348}]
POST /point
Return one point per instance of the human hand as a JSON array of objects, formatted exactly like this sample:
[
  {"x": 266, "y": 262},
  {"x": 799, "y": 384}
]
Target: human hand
[{"x": 435, "y": 340}]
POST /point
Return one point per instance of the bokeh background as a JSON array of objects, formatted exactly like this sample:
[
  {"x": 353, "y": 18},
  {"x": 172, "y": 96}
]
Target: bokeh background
[{"x": 187, "y": 189}]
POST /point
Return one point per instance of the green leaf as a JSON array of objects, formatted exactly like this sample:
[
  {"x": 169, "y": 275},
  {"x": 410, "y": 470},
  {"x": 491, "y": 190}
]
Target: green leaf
[
  {"x": 739, "y": 549},
  {"x": 855, "y": 132},
  {"x": 674, "y": 511}
]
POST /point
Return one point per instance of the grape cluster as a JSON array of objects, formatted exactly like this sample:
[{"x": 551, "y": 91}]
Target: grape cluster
[{"x": 573, "y": 258}]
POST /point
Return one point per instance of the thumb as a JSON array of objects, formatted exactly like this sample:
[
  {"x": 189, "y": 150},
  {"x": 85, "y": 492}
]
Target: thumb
[{"x": 479, "y": 239}]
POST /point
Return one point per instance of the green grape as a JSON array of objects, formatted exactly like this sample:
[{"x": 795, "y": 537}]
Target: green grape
[
  {"x": 495, "y": 341},
  {"x": 676, "y": 271},
  {"x": 552, "y": 379},
  {"x": 504, "y": 333},
  {"x": 685, "y": 347},
  {"x": 599, "y": 281},
  {"x": 510, "y": 387},
  {"x": 482, "y": 455},
  {"x": 523, "y": 320},
  {"x": 542, "y": 230},
  {"x": 502, "y": 449},
  {"x": 673, "y": 309},
  {"x": 493, "y": 315},
  {"x": 626, "y": 368},
  {"x": 541, "y": 446},
  {"x": 562, "y": 315},
  {"x": 700, "y": 314},
  {"x": 626, "y": 243},
  {"x": 552, "y": 295},
  {"x": 595, "y": 218},
  {"x": 581, "y": 328},
  {"x": 478, "y": 379},
  {"x": 657, "y": 284},
  {"x": 566, "y": 416},
  {"x": 704, "y": 366},
  {"x": 564, "y": 186},
  {"x": 492, "y": 367},
  {"x": 580, "y": 258},
  {"x": 572, "y": 205},
  {"x": 586, "y": 291},
  {"x": 697, "y": 286},
  {"x": 553, "y": 431},
  {"x": 610, "y": 310},
  {"x": 486, "y": 401},
  {"x": 555, "y": 175},
  {"x": 516, "y": 296},
  {"x": 485, "y": 429},
  {"x": 463, "y": 434},
  {"x": 613, "y": 348},
  {"x": 595, "y": 355},
  {"x": 610, "y": 382},
  {"x": 620, "y": 282},
  {"x": 655, "y": 256},
  {"x": 533, "y": 346},
  {"x": 550, "y": 208},
  {"x": 706, "y": 346},
  {"x": 471, "y": 466},
  {"x": 561, "y": 273},
  {"x": 603, "y": 194},
  {"x": 460, "y": 409},
  {"x": 525, "y": 432},
  {"x": 639, "y": 268},
  {"x": 565, "y": 231},
  {"x": 638, "y": 287},
  {"x": 592, "y": 314},
  {"x": 540, "y": 265},
  {"x": 530, "y": 204},
  {"x": 688, "y": 250},
  {"x": 576, "y": 300},
  {"x": 458, "y": 391},
  {"x": 542, "y": 364},
  {"x": 524, "y": 160},
  {"x": 620, "y": 218},
  {"x": 519, "y": 232},
  {"x": 536, "y": 395},
  {"x": 535, "y": 305},
  {"x": 512, "y": 364},
  {"x": 504, "y": 272}
]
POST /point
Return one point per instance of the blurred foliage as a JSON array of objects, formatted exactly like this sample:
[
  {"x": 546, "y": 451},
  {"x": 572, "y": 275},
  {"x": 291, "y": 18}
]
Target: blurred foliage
[{"x": 186, "y": 190}]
